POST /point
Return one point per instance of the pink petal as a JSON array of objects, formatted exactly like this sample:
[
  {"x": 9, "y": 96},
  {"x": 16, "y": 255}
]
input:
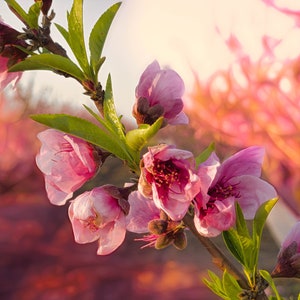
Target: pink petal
[
  {"x": 112, "y": 236},
  {"x": 220, "y": 219},
  {"x": 253, "y": 193},
  {"x": 142, "y": 211}
]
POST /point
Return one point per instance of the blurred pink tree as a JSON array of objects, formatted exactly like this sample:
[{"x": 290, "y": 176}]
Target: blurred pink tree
[{"x": 255, "y": 101}]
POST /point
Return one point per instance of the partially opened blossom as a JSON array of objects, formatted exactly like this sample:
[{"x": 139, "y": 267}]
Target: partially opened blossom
[
  {"x": 142, "y": 211},
  {"x": 236, "y": 179},
  {"x": 9, "y": 53},
  {"x": 168, "y": 176},
  {"x": 97, "y": 216},
  {"x": 145, "y": 217},
  {"x": 159, "y": 93},
  {"x": 288, "y": 261},
  {"x": 67, "y": 163}
]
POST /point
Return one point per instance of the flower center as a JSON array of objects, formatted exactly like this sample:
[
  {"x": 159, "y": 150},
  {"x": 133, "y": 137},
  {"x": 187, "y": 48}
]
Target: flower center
[
  {"x": 221, "y": 192},
  {"x": 93, "y": 222},
  {"x": 165, "y": 173}
]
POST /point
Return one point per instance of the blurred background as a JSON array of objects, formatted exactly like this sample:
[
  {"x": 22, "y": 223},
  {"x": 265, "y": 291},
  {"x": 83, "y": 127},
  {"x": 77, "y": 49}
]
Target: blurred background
[{"x": 240, "y": 63}]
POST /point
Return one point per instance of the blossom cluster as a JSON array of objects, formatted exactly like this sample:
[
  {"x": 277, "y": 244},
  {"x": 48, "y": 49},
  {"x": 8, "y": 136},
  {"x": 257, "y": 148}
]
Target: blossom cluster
[
  {"x": 172, "y": 190},
  {"x": 170, "y": 184}
]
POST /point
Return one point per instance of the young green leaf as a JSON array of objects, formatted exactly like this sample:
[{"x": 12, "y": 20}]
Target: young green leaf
[
  {"x": 109, "y": 111},
  {"x": 261, "y": 216},
  {"x": 234, "y": 245},
  {"x": 231, "y": 286},
  {"x": 215, "y": 284},
  {"x": 258, "y": 226},
  {"x": 34, "y": 13},
  {"x": 47, "y": 61},
  {"x": 83, "y": 129},
  {"x": 240, "y": 223},
  {"x": 98, "y": 35},
  {"x": 18, "y": 11},
  {"x": 64, "y": 32},
  {"x": 76, "y": 36},
  {"x": 202, "y": 157}
]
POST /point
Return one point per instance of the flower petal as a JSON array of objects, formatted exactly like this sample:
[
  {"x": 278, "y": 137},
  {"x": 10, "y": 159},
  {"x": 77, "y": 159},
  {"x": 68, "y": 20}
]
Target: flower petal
[
  {"x": 244, "y": 162},
  {"x": 253, "y": 193},
  {"x": 142, "y": 211}
]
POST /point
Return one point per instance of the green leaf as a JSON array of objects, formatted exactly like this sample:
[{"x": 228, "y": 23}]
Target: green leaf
[
  {"x": 76, "y": 36},
  {"x": 31, "y": 18},
  {"x": 266, "y": 275},
  {"x": 47, "y": 61},
  {"x": 258, "y": 225},
  {"x": 64, "y": 32},
  {"x": 231, "y": 286},
  {"x": 261, "y": 216},
  {"x": 241, "y": 225},
  {"x": 83, "y": 129},
  {"x": 98, "y": 35},
  {"x": 234, "y": 245},
  {"x": 202, "y": 157},
  {"x": 133, "y": 158},
  {"x": 19, "y": 11},
  {"x": 34, "y": 13},
  {"x": 215, "y": 284},
  {"x": 109, "y": 111},
  {"x": 137, "y": 138}
]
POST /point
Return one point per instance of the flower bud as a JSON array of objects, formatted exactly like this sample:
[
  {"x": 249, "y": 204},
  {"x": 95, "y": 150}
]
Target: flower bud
[
  {"x": 288, "y": 261},
  {"x": 159, "y": 94},
  {"x": 46, "y": 6}
]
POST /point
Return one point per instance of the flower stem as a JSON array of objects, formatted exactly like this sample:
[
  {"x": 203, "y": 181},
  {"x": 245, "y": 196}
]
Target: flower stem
[{"x": 218, "y": 257}]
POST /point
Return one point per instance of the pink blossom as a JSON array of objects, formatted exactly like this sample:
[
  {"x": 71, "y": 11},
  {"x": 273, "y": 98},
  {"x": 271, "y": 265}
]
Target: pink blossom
[
  {"x": 67, "y": 163},
  {"x": 236, "y": 179},
  {"x": 288, "y": 261},
  {"x": 6, "y": 77},
  {"x": 9, "y": 54},
  {"x": 97, "y": 215},
  {"x": 159, "y": 93},
  {"x": 142, "y": 211},
  {"x": 168, "y": 176}
]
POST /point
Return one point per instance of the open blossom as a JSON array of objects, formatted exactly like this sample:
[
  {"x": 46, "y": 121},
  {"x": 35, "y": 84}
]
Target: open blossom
[
  {"x": 288, "y": 261},
  {"x": 236, "y": 179},
  {"x": 168, "y": 176},
  {"x": 9, "y": 53},
  {"x": 67, "y": 163},
  {"x": 97, "y": 215},
  {"x": 159, "y": 93}
]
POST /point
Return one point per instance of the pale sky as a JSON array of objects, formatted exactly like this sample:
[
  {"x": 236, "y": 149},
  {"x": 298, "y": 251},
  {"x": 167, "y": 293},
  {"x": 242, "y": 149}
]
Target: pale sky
[{"x": 179, "y": 34}]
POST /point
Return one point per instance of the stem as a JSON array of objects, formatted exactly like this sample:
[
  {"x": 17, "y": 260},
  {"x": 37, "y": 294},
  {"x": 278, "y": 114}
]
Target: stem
[{"x": 218, "y": 257}]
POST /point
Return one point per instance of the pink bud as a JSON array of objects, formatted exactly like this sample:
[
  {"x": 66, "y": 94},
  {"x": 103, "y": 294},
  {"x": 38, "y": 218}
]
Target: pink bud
[{"x": 159, "y": 93}]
